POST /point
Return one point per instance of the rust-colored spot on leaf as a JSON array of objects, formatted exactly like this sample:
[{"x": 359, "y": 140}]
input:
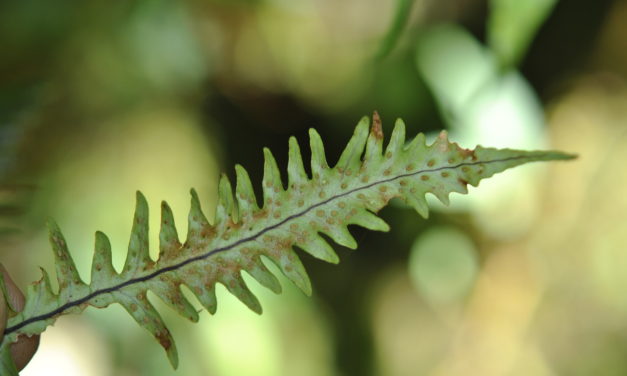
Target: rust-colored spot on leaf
[
  {"x": 431, "y": 163},
  {"x": 376, "y": 130},
  {"x": 467, "y": 153},
  {"x": 424, "y": 177},
  {"x": 444, "y": 174},
  {"x": 462, "y": 181},
  {"x": 206, "y": 232},
  {"x": 164, "y": 339},
  {"x": 260, "y": 214}
]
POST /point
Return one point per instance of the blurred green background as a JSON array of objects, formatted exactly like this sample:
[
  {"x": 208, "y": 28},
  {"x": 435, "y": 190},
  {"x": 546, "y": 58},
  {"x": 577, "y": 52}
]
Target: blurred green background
[{"x": 525, "y": 276}]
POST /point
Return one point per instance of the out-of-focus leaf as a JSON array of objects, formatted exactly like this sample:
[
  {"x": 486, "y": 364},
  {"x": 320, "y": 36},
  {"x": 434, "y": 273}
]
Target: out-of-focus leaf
[
  {"x": 512, "y": 24},
  {"x": 401, "y": 16}
]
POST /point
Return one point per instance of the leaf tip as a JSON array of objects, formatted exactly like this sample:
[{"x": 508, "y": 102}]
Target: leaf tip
[
  {"x": 139, "y": 196},
  {"x": 194, "y": 194},
  {"x": 377, "y": 128}
]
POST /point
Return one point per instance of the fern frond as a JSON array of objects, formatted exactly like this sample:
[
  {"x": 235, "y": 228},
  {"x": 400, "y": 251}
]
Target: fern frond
[{"x": 363, "y": 181}]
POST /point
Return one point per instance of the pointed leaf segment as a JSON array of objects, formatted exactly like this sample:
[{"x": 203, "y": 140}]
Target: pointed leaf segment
[{"x": 362, "y": 182}]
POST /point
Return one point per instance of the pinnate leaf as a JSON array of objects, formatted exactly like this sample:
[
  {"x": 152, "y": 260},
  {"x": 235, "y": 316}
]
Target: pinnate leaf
[{"x": 366, "y": 177}]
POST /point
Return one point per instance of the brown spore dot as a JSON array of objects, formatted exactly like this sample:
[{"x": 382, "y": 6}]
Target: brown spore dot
[
  {"x": 451, "y": 160},
  {"x": 465, "y": 169},
  {"x": 320, "y": 213},
  {"x": 301, "y": 203},
  {"x": 403, "y": 182},
  {"x": 412, "y": 190},
  {"x": 342, "y": 205},
  {"x": 344, "y": 186},
  {"x": 331, "y": 221},
  {"x": 334, "y": 213},
  {"x": 388, "y": 155},
  {"x": 424, "y": 177},
  {"x": 276, "y": 215},
  {"x": 410, "y": 167},
  {"x": 361, "y": 196},
  {"x": 383, "y": 188},
  {"x": 444, "y": 174},
  {"x": 387, "y": 172},
  {"x": 431, "y": 163},
  {"x": 293, "y": 227},
  {"x": 349, "y": 172},
  {"x": 322, "y": 194},
  {"x": 365, "y": 179}
]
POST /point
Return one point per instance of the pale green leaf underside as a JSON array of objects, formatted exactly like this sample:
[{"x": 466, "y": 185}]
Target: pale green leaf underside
[{"x": 363, "y": 181}]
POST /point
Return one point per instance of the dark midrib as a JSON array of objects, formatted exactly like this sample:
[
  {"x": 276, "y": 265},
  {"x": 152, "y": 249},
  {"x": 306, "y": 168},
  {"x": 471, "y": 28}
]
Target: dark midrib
[{"x": 74, "y": 303}]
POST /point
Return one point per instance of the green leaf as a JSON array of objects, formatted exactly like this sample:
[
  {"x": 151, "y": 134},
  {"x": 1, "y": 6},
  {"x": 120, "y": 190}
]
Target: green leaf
[
  {"x": 401, "y": 17},
  {"x": 364, "y": 180},
  {"x": 512, "y": 24}
]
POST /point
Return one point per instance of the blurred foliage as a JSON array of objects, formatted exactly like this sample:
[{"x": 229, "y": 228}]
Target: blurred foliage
[{"x": 99, "y": 99}]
